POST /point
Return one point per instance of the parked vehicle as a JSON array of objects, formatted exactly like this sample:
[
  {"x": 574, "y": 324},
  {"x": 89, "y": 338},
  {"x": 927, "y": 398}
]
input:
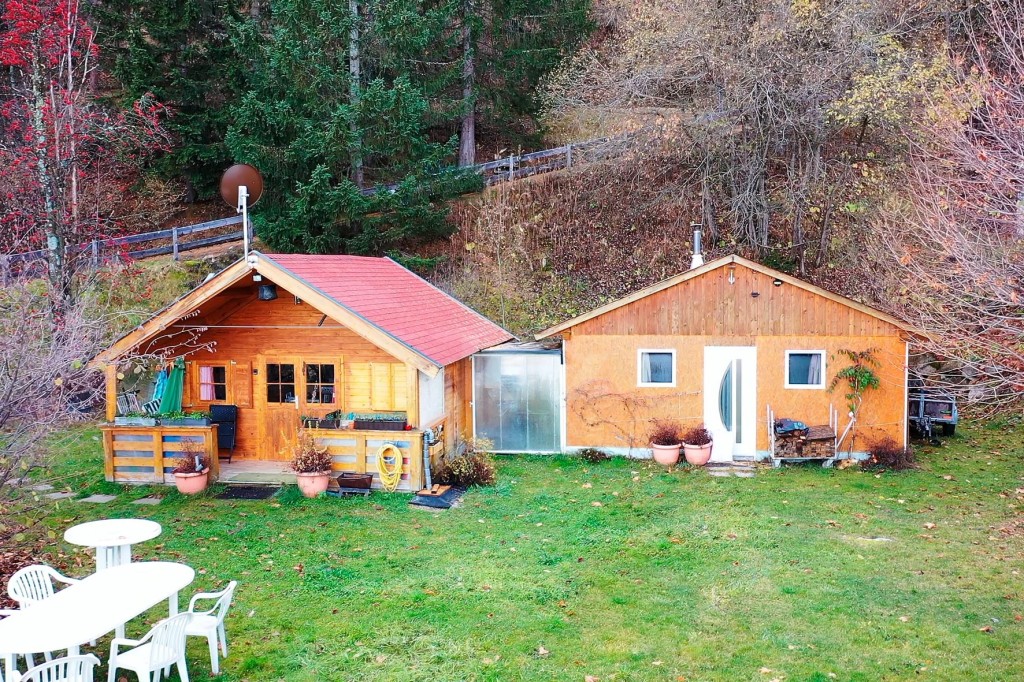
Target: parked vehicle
[{"x": 929, "y": 408}]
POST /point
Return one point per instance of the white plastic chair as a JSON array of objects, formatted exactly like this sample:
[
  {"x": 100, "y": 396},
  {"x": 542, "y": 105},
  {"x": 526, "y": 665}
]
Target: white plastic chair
[
  {"x": 33, "y": 584},
  {"x": 68, "y": 669},
  {"x": 162, "y": 647},
  {"x": 210, "y": 624}
]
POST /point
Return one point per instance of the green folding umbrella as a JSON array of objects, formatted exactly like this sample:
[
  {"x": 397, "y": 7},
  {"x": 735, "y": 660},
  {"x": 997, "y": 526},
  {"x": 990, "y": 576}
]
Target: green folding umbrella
[{"x": 171, "y": 399}]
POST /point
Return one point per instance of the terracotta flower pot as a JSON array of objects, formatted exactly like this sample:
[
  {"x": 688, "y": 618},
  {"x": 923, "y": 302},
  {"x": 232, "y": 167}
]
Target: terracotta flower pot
[
  {"x": 666, "y": 455},
  {"x": 190, "y": 484},
  {"x": 698, "y": 455},
  {"x": 313, "y": 483}
]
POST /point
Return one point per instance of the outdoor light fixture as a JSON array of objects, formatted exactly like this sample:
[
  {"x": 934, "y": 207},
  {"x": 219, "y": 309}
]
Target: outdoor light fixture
[
  {"x": 257, "y": 277},
  {"x": 777, "y": 282},
  {"x": 732, "y": 274},
  {"x": 267, "y": 292}
]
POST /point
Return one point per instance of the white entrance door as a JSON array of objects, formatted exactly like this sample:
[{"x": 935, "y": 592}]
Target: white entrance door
[{"x": 730, "y": 400}]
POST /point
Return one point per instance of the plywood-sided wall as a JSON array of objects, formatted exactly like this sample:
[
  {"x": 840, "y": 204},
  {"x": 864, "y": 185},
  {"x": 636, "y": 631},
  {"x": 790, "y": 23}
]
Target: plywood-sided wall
[{"x": 606, "y": 408}]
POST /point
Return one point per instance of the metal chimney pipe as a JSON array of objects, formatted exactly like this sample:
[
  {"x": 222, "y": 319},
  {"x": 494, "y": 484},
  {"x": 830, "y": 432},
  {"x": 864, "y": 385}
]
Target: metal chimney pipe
[{"x": 698, "y": 257}]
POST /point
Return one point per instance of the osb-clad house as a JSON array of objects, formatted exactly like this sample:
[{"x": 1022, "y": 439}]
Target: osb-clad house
[
  {"x": 286, "y": 338},
  {"x": 734, "y": 345}
]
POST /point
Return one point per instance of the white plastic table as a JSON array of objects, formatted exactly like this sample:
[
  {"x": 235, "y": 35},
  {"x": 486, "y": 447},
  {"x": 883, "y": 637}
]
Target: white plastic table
[
  {"x": 91, "y": 608},
  {"x": 112, "y": 538}
]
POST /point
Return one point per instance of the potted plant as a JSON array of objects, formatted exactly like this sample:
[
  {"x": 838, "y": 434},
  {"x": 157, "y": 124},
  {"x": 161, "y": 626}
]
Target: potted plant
[
  {"x": 665, "y": 442},
  {"x": 135, "y": 418},
  {"x": 192, "y": 473},
  {"x": 312, "y": 466},
  {"x": 697, "y": 444},
  {"x": 180, "y": 418}
]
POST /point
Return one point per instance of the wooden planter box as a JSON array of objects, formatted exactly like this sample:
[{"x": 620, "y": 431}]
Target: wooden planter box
[
  {"x": 353, "y": 480},
  {"x": 375, "y": 425}
]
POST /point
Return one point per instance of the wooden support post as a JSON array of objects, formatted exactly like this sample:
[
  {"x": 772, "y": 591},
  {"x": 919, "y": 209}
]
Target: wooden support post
[
  {"x": 158, "y": 455},
  {"x": 416, "y": 461},
  {"x": 412, "y": 396},
  {"x": 211, "y": 452},
  {"x": 95, "y": 247},
  {"x": 511, "y": 167},
  {"x": 568, "y": 156},
  {"x": 108, "y": 454},
  {"x": 110, "y": 377},
  {"x": 361, "y": 454},
  {"x": 174, "y": 243}
]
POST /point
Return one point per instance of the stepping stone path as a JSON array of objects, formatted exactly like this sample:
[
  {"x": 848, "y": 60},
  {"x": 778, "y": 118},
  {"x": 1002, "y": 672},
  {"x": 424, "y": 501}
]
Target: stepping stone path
[
  {"x": 58, "y": 496},
  {"x": 99, "y": 499},
  {"x": 149, "y": 501}
]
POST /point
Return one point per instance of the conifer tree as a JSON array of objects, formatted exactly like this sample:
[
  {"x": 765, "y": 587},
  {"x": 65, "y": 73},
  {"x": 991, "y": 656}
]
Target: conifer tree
[{"x": 303, "y": 126}]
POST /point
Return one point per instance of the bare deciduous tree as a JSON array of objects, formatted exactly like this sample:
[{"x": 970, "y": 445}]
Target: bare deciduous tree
[{"x": 958, "y": 236}]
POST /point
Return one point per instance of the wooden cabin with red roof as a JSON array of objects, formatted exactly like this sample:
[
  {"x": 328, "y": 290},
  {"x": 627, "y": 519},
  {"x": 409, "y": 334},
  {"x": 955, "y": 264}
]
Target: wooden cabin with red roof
[{"x": 287, "y": 339}]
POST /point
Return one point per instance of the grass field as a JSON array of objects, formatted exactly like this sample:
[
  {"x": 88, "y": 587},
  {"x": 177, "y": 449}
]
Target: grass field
[{"x": 618, "y": 571}]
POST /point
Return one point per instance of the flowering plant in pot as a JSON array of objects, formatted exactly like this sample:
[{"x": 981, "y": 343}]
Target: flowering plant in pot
[
  {"x": 697, "y": 444},
  {"x": 192, "y": 471},
  {"x": 665, "y": 441},
  {"x": 312, "y": 466}
]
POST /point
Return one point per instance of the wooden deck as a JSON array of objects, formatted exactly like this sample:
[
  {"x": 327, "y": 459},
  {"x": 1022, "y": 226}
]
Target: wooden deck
[{"x": 255, "y": 472}]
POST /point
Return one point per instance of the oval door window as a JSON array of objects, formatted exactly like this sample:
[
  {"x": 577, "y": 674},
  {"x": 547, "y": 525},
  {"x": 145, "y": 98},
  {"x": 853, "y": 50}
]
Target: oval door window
[{"x": 725, "y": 398}]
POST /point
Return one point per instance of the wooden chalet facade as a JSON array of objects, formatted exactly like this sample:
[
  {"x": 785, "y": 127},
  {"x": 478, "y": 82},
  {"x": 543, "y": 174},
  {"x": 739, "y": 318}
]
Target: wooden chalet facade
[
  {"x": 336, "y": 334},
  {"x": 734, "y": 345}
]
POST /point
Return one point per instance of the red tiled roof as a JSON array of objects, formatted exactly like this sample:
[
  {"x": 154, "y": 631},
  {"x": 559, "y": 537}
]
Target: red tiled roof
[{"x": 397, "y": 302}]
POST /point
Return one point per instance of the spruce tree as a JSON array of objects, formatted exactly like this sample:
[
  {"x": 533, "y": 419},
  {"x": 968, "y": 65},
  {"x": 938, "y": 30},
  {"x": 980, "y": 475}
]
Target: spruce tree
[
  {"x": 313, "y": 131},
  {"x": 180, "y": 53}
]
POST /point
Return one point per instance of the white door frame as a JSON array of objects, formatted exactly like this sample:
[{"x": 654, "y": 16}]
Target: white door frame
[{"x": 737, "y": 439}]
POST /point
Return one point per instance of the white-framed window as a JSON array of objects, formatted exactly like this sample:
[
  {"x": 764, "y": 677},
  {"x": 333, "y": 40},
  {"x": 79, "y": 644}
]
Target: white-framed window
[
  {"x": 805, "y": 369},
  {"x": 656, "y": 367}
]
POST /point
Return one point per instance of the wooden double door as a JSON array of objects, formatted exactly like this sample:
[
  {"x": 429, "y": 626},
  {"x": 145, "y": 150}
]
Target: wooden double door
[{"x": 288, "y": 388}]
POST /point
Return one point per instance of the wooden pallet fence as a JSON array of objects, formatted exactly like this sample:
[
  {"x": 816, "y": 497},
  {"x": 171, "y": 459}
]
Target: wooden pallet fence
[
  {"x": 356, "y": 452},
  {"x": 148, "y": 454}
]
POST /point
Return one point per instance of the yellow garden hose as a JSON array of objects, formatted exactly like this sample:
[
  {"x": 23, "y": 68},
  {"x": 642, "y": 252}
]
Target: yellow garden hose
[{"x": 390, "y": 473}]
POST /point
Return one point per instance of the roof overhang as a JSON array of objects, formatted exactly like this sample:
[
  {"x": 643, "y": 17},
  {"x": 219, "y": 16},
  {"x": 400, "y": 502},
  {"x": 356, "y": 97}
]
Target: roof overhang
[
  {"x": 714, "y": 265},
  {"x": 257, "y": 263}
]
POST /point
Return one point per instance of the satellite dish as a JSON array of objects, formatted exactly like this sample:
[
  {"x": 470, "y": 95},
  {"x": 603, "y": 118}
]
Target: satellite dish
[
  {"x": 241, "y": 175},
  {"x": 242, "y": 186}
]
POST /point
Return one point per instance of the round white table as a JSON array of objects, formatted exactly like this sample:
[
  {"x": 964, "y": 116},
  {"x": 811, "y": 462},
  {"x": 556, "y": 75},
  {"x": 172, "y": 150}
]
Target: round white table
[{"x": 112, "y": 538}]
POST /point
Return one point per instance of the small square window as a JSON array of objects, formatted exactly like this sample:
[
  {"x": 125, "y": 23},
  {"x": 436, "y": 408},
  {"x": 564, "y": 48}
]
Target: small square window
[
  {"x": 656, "y": 368},
  {"x": 805, "y": 369},
  {"x": 213, "y": 383}
]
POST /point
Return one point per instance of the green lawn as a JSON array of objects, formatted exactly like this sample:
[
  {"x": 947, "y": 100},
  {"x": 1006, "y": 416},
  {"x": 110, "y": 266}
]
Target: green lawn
[{"x": 618, "y": 571}]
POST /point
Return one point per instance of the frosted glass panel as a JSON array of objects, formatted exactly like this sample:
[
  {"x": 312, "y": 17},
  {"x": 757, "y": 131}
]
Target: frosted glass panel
[{"x": 517, "y": 400}]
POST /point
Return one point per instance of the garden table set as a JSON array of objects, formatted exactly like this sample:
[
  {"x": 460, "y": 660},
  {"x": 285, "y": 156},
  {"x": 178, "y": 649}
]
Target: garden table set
[{"x": 89, "y": 608}]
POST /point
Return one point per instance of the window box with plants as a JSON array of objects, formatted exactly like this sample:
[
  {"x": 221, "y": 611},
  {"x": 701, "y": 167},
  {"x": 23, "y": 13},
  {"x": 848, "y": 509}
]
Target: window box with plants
[
  {"x": 312, "y": 467},
  {"x": 333, "y": 420},
  {"x": 382, "y": 421},
  {"x": 185, "y": 419},
  {"x": 135, "y": 419}
]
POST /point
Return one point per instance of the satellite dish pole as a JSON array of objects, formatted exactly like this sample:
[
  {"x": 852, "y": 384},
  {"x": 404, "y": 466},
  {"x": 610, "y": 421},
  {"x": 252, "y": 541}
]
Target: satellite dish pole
[{"x": 240, "y": 184}]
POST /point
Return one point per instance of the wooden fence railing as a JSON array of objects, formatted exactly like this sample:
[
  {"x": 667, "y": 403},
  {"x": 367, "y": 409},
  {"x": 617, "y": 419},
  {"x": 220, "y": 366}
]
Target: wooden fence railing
[
  {"x": 500, "y": 170},
  {"x": 176, "y": 235},
  {"x": 356, "y": 451},
  {"x": 148, "y": 454}
]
